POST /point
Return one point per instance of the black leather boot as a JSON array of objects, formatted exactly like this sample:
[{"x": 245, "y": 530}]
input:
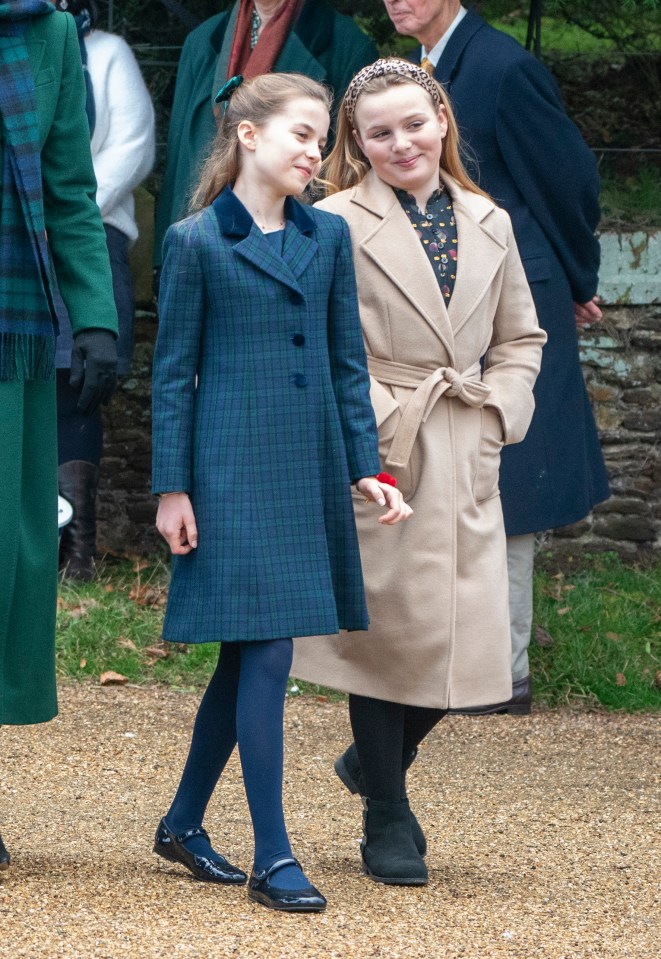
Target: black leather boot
[
  {"x": 78, "y": 482},
  {"x": 5, "y": 858},
  {"x": 347, "y": 767},
  {"x": 389, "y": 853}
]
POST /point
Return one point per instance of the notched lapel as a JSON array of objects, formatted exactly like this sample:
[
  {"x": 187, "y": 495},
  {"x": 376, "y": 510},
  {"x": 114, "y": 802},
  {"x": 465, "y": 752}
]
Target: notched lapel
[
  {"x": 259, "y": 251},
  {"x": 299, "y": 250},
  {"x": 395, "y": 249},
  {"x": 480, "y": 256}
]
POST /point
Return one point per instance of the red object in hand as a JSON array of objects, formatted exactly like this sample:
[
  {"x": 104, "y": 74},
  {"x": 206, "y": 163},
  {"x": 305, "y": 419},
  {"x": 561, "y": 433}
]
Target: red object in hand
[{"x": 387, "y": 479}]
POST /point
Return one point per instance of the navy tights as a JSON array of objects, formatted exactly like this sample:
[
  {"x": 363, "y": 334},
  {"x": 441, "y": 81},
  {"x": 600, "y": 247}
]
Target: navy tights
[{"x": 244, "y": 703}]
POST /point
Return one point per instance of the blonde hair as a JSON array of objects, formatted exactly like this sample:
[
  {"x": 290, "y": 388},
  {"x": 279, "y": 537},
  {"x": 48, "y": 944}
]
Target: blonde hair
[
  {"x": 256, "y": 100},
  {"x": 347, "y": 166}
]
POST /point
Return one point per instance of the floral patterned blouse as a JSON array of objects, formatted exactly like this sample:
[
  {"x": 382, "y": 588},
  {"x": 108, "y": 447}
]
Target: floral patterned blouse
[{"x": 437, "y": 230}]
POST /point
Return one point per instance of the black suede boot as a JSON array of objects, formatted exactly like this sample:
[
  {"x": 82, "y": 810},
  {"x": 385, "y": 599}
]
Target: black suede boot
[
  {"x": 78, "y": 482},
  {"x": 347, "y": 767},
  {"x": 5, "y": 858},
  {"x": 389, "y": 853}
]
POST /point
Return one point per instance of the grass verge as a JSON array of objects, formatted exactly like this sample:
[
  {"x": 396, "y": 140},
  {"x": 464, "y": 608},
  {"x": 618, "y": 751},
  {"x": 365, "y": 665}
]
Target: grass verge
[{"x": 596, "y": 640}]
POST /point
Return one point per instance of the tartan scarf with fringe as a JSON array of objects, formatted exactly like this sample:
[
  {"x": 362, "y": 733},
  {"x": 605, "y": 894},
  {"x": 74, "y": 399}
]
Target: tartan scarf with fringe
[{"x": 28, "y": 316}]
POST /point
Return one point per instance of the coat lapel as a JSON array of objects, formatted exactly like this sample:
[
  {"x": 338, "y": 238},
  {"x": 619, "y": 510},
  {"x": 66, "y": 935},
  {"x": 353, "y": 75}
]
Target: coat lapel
[
  {"x": 480, "y": 253},
  {"x": 300, "y": 245},
  {"x": 395, "y": 249},
  {"x": 450, "y": 58}
]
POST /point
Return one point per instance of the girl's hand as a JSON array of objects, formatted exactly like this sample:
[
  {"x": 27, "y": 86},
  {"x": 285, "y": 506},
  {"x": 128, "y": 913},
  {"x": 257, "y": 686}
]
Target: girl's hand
[
  {"x": 385, "y": 495},
  {"x": 175, "y": 521}
]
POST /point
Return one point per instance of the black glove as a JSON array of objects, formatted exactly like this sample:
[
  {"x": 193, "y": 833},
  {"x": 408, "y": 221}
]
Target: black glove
[{"x": 93, "y": 368}]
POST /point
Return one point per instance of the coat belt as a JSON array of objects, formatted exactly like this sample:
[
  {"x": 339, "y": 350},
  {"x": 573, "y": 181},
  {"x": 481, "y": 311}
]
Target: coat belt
[{"x": 429, "y": 386}]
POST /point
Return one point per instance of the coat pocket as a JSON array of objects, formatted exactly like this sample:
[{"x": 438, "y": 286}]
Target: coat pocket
[{"x": 485, "y": 484}]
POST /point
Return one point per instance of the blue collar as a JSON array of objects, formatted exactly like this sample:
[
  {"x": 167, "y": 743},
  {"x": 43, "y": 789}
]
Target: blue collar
[{"x": 235, "y": 220}]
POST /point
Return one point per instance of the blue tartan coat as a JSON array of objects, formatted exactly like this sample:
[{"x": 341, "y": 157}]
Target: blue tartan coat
[
  {"x": 262, "y": 414},
  {"x": 530, "y": 157}
]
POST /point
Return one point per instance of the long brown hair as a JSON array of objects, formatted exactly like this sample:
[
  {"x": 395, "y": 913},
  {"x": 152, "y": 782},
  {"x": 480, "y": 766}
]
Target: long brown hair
[
  {"x": 347, "y": 166},
  {"x": 256, "y": 100}
]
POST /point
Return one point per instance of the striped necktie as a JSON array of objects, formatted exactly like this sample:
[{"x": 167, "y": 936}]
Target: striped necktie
[{"x": 427, "y": 66}]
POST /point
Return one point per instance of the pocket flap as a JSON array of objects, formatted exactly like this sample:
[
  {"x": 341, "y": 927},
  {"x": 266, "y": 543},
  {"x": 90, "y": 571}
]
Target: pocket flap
[{"x": 537, "y": 268}]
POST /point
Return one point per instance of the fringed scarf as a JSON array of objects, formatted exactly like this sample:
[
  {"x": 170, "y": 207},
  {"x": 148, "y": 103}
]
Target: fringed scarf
[
  {"x": 28, "y": 317},
  {"x": 251, "y": 62}
]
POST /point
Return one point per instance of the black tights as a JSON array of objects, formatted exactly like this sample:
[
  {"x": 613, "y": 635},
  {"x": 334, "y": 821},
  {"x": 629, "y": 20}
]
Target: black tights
[{"x": 386, "y": 735}]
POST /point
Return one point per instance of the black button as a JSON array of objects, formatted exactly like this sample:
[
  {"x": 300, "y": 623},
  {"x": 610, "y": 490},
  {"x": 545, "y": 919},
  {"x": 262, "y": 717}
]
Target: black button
[
  {"x": 301, "y": 379},
  {"x": 295, "y": 298},
  {"x": 298, "y": 339}
]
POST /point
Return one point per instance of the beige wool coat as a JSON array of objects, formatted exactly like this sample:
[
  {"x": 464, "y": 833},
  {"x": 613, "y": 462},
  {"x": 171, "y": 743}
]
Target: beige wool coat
[{"x": 437, "y": 584}]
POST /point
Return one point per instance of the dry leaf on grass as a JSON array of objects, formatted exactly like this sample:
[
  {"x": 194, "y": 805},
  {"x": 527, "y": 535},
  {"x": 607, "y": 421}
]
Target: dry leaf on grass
[
  {"x": 657, "y": 679},
  {"x": 621, "y": 679},
  {"x": 83, "y": 663},
  {"x": 110, "y": 678},
  {"x": 140, "y": 564},
  {"x": 614, "y": 636},
  {"x": 563, "y": 611},
  {"x": 543, "y": 637},
  {"x": 148, "y": 595},
  {"x": 127, "y": 644},
  {"x": 156, "y": 652}
]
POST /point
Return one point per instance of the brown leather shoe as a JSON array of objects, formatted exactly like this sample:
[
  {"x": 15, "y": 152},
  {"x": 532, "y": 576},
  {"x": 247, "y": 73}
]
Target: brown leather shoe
[{"x": 519, "y": 705}]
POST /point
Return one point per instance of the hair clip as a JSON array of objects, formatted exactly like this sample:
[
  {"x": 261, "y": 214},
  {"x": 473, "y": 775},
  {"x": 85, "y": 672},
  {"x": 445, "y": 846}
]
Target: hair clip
[{"x": 228, "y": 89}]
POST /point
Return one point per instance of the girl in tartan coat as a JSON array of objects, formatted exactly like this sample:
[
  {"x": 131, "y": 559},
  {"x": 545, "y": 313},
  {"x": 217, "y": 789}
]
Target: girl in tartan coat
[{"x": 261, "y": 391}]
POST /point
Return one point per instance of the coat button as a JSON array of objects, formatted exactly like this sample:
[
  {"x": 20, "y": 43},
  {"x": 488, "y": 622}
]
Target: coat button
[
  {"x": 301, "y": 379},
  {"x": 295, "y": 298},
  {"x": 298, "y": 339}
]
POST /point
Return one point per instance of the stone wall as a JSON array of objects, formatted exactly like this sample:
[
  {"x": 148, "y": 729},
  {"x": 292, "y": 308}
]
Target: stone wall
[{"x": 622, "y": 369}]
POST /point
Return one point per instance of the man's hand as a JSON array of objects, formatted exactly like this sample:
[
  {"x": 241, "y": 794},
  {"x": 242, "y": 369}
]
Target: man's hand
[
  {"x": 587, "y": 313},
  {"x": 93, "y": 368}
]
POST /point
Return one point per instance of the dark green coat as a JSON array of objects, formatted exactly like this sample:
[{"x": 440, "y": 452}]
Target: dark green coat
[
  {"x": 28, "y": 460},
  {"x": 323, "y": 44}
]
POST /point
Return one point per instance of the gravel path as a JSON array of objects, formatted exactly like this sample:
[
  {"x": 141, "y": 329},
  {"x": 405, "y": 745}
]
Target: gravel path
[{"x": 543, "y": 833}]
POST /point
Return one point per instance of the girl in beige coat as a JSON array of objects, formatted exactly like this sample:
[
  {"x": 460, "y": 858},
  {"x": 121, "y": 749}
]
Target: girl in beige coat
[{"x": 453, "y": 348}]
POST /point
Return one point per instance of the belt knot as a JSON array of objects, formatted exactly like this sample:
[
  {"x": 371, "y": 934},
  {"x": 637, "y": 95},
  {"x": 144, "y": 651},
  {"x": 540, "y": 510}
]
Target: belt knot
[{"x": 454, "y": 379}]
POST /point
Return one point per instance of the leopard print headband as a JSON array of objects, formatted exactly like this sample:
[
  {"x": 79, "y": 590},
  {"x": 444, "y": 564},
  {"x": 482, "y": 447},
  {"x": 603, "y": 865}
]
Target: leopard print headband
[{"x": 381, "y": 68}]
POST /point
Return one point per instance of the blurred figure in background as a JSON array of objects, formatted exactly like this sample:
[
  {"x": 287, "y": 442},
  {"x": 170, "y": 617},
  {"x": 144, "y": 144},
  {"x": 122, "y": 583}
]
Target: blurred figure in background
[{"x": 121, "y": 124}]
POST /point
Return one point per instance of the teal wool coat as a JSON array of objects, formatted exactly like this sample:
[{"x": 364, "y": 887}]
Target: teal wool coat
[
  {"x": 262, "y": 414},
  {"x": 323, "y": 44},
  {"x": 28, "y": 432}
]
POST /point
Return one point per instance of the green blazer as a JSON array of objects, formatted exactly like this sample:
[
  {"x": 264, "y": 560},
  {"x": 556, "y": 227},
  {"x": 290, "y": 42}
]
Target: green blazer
[
  {"x": 323, "y": 44},
  {"x": 73, "y": 222}
]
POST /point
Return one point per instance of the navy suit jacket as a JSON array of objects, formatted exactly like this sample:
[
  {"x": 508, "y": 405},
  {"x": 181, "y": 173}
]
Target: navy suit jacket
[{"x": 530, "y": 157}]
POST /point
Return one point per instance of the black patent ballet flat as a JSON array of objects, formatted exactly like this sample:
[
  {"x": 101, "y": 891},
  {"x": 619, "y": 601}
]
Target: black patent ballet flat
[
  {"x": 5, "y": 858},
  {"x": 261, "y": 889},
  {"x": 171, "y": 847}
]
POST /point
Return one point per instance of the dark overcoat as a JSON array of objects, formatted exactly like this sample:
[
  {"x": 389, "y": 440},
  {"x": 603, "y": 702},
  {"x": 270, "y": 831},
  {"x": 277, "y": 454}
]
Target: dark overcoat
[
  {"x": 262, "y": 414},
  {"x": 322, "y": 44},
  {"x": 530, "y": 157}
]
